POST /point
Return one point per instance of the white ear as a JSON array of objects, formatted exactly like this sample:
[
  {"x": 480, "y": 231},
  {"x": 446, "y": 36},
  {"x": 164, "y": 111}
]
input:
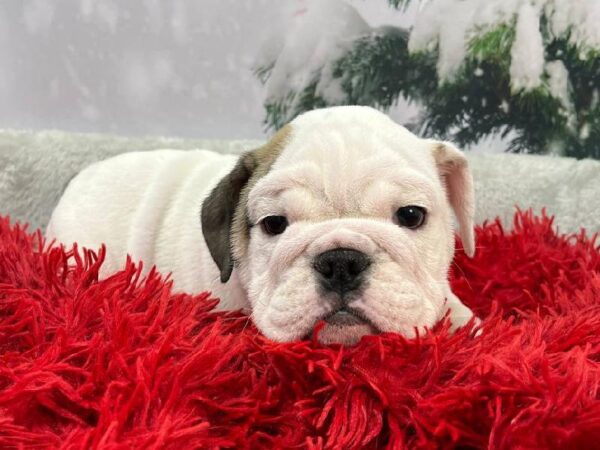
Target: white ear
[{"x": 458, "y": 181}]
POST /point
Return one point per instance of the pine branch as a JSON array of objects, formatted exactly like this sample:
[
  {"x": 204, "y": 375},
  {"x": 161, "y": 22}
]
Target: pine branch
[
  {"x": 400, "y": 4},
  {"x": 280, "y": 112},
  {"x": 379, "y": 69},
  {"x": 478, "y": 101}
]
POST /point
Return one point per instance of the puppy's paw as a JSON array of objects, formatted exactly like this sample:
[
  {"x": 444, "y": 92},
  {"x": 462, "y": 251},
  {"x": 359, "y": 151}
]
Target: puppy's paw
[{"x": 460, "y": 315}]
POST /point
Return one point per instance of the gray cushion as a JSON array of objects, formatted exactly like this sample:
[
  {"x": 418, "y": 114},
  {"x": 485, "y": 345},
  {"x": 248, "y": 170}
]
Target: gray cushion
[{"x": 36, "y": 166}]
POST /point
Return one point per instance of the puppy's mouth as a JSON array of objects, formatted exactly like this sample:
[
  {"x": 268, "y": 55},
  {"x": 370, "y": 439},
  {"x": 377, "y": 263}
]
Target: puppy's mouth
[
  {"x": 346, "y": 316},
  {"x": 346, "y": 326}
]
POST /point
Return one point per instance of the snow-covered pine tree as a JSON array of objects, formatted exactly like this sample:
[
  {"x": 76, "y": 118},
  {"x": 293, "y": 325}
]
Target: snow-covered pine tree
[{"x": 526, "y": 69}]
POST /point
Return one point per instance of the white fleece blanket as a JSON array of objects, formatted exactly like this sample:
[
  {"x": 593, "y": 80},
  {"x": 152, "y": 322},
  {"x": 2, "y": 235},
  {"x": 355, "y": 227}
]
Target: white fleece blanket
[{"x": 36, "y": 166}]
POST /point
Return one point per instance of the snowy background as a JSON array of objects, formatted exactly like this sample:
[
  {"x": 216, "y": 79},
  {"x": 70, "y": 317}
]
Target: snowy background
[{"x": 151, "y": 67}]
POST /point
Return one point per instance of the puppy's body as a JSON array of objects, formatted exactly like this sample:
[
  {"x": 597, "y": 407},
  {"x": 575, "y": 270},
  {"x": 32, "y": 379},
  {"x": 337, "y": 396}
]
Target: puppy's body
[
  {"x": 337, "y": 177},
  {"x": 146, "y": 204}
]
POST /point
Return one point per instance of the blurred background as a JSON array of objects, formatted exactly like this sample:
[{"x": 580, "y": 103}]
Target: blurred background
[{"x": 493, "y": 75}]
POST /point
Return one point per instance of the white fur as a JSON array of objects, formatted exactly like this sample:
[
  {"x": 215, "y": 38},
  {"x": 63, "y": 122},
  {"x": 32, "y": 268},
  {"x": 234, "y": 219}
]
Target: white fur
[
  {"x": 147, "y": 205},
  {"x": 340, "y": 178}
]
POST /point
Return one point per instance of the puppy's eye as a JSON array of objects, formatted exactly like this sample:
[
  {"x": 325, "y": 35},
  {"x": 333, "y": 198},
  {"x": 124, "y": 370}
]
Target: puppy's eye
[
  {"x": 274, "y": 224},
  {"x": 411, "y": 216}
]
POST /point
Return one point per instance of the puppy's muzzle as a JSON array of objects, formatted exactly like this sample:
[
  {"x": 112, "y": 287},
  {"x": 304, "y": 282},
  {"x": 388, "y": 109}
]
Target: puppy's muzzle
[{"x": 341, "y": 270}]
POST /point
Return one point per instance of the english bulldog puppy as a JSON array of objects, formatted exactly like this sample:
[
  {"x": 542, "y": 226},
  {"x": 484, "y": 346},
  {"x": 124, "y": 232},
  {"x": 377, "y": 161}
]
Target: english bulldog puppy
[{"x": 343, "y": 216}]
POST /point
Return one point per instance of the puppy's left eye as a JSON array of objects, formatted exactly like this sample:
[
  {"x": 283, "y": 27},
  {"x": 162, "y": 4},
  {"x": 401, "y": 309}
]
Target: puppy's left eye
[
  {"x": 274, "y": 224},
  {"x": 411, "y": 216}
]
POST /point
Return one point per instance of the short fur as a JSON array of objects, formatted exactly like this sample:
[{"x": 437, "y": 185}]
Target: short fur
[
  {"x": 223, "y": 213},
  {"x": 337, "y": 174}
]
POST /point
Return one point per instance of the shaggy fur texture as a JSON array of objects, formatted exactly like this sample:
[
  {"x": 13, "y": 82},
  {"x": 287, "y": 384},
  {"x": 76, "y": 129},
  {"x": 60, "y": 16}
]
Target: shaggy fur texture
[{"x": 123, "y": 363}]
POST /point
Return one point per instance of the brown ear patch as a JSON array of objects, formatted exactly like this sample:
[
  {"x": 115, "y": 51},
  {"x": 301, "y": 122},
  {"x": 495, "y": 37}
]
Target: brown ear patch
[
  {"x": 224, "y": 216},
  {"x": 263, "y": 159},
  {"x": 218, "y": 210}
]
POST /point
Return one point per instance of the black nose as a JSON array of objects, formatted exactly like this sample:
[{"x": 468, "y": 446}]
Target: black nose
[{"x": 340, "y": 269}]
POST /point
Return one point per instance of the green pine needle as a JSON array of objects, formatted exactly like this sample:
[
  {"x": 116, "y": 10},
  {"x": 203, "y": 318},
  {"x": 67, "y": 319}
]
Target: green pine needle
[{"x": 477, "y": 102}]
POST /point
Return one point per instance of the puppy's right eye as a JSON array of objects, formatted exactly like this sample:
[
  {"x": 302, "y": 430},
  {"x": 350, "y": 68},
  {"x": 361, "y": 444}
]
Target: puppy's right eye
[
  {"x": 411, "y": 216},
  {"x": 274, "y": 224}
]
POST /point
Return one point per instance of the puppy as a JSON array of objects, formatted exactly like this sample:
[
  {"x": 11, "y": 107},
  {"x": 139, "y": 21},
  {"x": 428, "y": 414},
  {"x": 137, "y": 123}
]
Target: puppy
[{"x": 344, "y": 216}]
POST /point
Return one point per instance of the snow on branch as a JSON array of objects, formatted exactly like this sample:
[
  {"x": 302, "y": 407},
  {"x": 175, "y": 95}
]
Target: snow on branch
[
  {"x": 528, "y": 68},
  {"x": 450, "y": 26},
  {"x": 301, "y": 55}
]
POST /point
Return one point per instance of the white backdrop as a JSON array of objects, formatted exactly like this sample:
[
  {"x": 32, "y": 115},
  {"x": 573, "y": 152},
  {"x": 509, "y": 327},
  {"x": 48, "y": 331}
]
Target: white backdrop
[{"x": 176, "y": 67}]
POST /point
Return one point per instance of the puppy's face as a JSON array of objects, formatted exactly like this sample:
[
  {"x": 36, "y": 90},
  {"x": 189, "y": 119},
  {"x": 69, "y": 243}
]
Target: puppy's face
[{"x": 346, "y": 217}]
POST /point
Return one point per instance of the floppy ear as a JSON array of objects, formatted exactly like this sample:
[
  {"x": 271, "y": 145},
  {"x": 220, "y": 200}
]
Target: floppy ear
[
  {"x": 218, "y": 211},
  {"x": 458, "y": 181}
]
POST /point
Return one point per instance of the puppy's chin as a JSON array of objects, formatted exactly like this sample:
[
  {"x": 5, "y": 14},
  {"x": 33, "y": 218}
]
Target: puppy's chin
[{"x": 344, "y": 334}]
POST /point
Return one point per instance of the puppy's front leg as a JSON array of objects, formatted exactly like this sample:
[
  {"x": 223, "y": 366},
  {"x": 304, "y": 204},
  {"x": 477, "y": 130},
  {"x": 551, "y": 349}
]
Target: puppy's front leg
[{"x": 459, "y": 313}]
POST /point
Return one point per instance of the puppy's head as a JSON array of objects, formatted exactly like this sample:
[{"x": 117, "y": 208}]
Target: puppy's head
[{"x": 344, "y": 216}]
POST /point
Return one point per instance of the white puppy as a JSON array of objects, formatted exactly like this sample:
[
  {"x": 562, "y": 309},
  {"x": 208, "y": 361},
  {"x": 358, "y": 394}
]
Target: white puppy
[{"x": 344, "y": 216}]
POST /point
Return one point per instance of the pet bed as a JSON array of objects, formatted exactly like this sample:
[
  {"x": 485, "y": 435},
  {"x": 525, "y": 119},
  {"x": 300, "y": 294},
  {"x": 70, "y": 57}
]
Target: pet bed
[{"x": 124, "y": 363}]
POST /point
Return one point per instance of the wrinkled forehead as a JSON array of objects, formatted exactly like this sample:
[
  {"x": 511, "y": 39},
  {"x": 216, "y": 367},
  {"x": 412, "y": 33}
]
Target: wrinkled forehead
[
  {"x": 346, "y": 142},
  {"x": 340, "y": 160}
]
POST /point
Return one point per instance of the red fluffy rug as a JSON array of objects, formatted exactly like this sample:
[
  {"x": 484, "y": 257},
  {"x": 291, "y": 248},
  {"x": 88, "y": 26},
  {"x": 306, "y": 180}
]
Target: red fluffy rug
[{"x": 123, "y": 363}]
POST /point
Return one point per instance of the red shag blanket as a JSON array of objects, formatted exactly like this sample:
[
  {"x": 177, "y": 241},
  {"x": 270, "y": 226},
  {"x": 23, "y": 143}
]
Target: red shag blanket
[{"x": 123, "y": 363}]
